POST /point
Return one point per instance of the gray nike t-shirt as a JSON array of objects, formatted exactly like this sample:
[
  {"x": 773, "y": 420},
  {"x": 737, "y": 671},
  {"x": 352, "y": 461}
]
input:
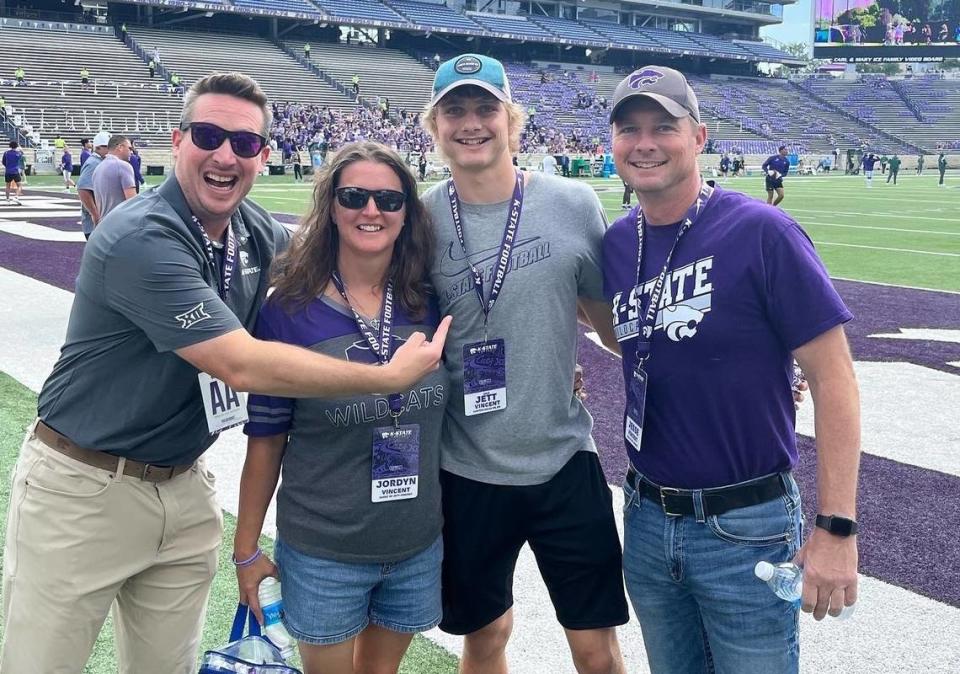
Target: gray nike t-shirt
[{"x": 555, "y": 260}]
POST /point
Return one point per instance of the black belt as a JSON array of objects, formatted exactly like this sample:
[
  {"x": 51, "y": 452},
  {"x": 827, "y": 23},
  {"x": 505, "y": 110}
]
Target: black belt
[{"x": 676, "y": 502}]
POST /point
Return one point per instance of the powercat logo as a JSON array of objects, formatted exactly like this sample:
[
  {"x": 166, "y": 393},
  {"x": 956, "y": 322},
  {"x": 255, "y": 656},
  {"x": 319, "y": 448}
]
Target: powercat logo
[{"x": 645, "y": 78}]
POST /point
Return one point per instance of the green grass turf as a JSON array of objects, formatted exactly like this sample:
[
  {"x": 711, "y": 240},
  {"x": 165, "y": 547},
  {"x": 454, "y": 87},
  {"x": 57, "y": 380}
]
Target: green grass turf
[
  {"x": 905, "y": 234},
  {"x": 18, "y": 406}
]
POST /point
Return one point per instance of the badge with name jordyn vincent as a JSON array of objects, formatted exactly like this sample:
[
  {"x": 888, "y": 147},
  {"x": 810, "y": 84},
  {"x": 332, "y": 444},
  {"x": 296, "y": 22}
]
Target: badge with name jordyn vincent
[
  {"x": 396, "y": 463},
  {"x": 484, "y": 377}
]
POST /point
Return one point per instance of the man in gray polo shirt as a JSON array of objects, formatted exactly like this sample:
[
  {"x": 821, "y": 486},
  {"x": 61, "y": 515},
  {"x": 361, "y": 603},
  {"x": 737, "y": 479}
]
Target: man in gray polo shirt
[
  {"x": 89, "y": 213},
  {"x": 113, "y": 181},
  {"x": 109, "y": 502}
]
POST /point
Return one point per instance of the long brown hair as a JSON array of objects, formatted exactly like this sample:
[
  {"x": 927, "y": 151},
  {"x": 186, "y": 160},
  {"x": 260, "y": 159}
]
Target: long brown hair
[{"x": 303, "y": 271}]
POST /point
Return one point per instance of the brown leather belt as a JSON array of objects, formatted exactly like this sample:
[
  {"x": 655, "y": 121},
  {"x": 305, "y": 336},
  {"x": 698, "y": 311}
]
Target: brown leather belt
[{"x": 144, "y": 471}]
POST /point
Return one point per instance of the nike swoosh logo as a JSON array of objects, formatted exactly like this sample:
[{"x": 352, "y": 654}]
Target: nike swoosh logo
[{"x": 454, "y": 263}]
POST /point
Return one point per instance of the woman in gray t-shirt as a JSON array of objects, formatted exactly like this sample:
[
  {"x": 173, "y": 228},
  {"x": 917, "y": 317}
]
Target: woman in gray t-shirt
[{"x": 358, "y": 512}]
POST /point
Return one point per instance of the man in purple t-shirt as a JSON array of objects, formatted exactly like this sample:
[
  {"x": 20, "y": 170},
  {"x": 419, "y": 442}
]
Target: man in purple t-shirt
[
  {"x": 775, "y": 168},
  {"x": 869, "y": 161},
  {"x": 11, "y": 170},
  {"x": 66, "y": 169},
  {"x": 738, "y": 293}
]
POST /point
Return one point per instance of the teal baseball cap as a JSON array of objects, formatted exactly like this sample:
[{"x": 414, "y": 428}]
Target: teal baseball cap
[{"x": 473, "y": 69}]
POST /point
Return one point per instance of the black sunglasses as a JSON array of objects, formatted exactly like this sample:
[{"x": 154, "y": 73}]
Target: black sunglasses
[
  {"x": 355, "y": 198},
  {"x": 208, "y": 136}
]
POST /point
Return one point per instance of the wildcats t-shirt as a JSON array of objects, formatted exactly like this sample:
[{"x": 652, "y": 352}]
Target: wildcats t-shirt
[
  {"x": 324, "y": 506},
  {"x": 745, "y": 288}
]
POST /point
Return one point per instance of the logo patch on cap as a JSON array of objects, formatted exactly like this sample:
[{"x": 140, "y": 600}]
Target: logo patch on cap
[
  {"x": 467, "y": 65},
  {"x": 645, "y": 78}
]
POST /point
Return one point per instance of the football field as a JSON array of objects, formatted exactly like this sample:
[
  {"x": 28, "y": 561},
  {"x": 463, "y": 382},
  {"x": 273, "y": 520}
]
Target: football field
[{"x": 894, "y": 252}]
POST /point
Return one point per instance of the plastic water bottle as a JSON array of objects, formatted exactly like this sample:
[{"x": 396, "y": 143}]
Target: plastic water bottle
[
  {"x": 786, "y": 581},
  {"x": 271, "y": 603}
]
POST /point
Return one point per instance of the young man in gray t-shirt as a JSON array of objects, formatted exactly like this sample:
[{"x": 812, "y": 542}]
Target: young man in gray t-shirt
[
  {"x": 113, "y": 180},
  {"x": 516, "y": 255}
]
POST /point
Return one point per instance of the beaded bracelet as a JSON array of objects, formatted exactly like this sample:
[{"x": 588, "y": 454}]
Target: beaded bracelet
[{"x": 246, "y": 562}]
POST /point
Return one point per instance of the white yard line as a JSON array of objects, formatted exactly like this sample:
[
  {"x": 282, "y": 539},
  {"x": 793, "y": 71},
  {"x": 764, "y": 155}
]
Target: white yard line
[
  {"x": 891, "y": 250},
  {"x": 911, "y": 216}
]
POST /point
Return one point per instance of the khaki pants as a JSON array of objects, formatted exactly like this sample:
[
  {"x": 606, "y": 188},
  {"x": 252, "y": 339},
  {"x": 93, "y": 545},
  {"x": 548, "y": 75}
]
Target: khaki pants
[{"x": 80, "y": 540}]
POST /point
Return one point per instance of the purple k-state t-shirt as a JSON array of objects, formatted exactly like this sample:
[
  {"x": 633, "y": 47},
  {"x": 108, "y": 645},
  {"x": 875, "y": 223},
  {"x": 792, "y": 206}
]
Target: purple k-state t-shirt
[{"x": 745, "y": 288}]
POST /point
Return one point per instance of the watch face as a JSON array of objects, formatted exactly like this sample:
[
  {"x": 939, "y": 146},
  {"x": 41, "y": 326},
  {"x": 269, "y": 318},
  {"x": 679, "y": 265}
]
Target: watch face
[{"x": 841, "y": 526}]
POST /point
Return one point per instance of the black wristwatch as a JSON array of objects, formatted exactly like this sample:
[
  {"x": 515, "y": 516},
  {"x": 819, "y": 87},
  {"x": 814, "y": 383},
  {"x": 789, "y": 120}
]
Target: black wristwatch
[{"x": 838, "y": 526}]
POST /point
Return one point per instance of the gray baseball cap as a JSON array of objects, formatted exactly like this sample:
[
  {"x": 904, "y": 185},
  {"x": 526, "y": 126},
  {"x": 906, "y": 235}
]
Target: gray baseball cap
[{"x": 666, "y": 86}]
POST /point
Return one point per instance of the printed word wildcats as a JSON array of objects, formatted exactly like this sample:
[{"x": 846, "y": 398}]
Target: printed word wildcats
[
  {"x": 367, "y": 411},
  {"x": 686, "y": 297}
]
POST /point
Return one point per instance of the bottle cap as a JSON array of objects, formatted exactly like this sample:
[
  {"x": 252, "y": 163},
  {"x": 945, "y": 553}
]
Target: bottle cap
[{"x": 763, "y": 570}]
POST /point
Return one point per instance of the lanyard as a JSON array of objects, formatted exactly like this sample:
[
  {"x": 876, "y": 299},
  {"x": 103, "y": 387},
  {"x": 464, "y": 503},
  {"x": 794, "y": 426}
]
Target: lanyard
[
  {"x": 645, "y": 335},
  {"x": 379, "y": 344},
  {"x": 506, "y": 245},
  {"x": 229, "y": 257}
]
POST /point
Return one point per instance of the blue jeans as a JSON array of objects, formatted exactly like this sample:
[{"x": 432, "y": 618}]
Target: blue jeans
[{"x": 691, "y": 582}]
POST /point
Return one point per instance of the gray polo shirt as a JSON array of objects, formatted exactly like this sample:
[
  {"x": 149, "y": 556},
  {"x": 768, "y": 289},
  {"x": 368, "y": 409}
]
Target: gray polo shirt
[
  {"x": 555, "y": 260},
  {"x": 85, "y": 182},
  {"x": 145, "y": 288},
  {"x": 111, "y": 177}
]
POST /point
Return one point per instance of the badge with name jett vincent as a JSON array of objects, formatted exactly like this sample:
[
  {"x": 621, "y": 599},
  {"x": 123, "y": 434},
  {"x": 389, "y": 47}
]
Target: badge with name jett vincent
[
  {"x": 224, "y": 407},
  {"x": 396, "y": 463},
  {"x": 484, "y": 377}
]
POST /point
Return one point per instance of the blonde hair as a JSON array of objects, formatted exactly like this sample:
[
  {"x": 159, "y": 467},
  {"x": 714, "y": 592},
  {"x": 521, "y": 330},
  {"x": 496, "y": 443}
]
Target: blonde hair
[{"x": 516, "y": 116}]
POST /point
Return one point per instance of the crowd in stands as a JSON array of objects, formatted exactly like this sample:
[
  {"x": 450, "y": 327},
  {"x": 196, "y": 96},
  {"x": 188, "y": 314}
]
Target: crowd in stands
[{"x": 324, "y": 128}]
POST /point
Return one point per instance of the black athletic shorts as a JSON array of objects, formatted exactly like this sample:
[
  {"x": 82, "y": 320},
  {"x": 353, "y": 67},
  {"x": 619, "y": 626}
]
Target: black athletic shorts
[
  {"x": 774, "y": 183},
  {"x": 12, "y": 178},
  {"x": 569, "y": 524}
]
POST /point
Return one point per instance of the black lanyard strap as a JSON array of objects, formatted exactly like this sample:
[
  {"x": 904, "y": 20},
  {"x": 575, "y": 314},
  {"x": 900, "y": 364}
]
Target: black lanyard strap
[
  {"x": 506, "y": 245},
  {"x": 380, "y": 344},
  {"x": 645, "y": 332},
  {"x": 229, "y": 257}
]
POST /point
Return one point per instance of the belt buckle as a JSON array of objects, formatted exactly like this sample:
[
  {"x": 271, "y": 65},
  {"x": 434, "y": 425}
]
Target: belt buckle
[
  {"x": 664, "y": 493},
  {"x": 152, "y": 473}
]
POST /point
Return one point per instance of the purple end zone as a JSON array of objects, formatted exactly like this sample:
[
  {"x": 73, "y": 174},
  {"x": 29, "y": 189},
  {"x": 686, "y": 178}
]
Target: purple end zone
[
  {"x": 909, "y": 519},
  {"x": 53, "y": 262},
  {"x": 885, "y": 309}
]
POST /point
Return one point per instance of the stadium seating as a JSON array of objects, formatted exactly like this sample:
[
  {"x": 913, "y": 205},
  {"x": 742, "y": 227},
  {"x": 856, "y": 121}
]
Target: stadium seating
[
  {"x": 897, "y": 107},
  {"x": 568, "y": 30},
  {"x": 778, "y": 110},
  {"x": 120, "y": 97},
  {"x": 677, "y": 41},
  {"x": 193, "y": 55},
  {"x": 383, "y": 72},
  {"x": 434, "y": 16},
  {"x": 277, "y": 6},
  {"x": 764, "y": 51},
  {"x": 937, "y": 103},
  {"x": 370, "y": 10},
  {"x": 514, "y": 26}
]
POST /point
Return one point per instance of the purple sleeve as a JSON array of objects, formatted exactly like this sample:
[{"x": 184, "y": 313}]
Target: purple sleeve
[
  {"x": 268, "y": 415},
  {"x": 766, "y": 164},
  {"x": 801, "y": 300}
]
